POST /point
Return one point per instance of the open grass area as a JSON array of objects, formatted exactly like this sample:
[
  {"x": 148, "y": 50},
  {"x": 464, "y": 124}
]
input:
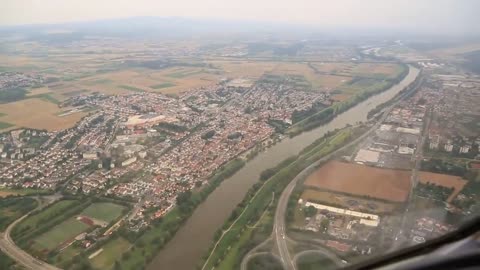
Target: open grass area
[
  {"x": 5, "y": 125},
  {"x": 131, "y": 88},
  {"x": 110, "y": 253},
  {"x": 103, "y": 211},
  {"x": 46, "y": 97},
  {"x": 66, "y": 255},
  {"x": 162, "y": 85},
  {"x": 40, "y": 222},
  {"x": 315, "y": 262},
  {"x": 59, "y": 234}
]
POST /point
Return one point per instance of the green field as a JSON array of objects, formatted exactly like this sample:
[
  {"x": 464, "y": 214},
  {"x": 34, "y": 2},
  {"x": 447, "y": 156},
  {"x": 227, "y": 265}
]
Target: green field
[
  {"x": 111, "y": 252},
  {"x": 65, "y": 256},
  {"x": 4, "y": 125},
  {"x": 103, "y": 211},
  {"x": 46, "y": 97},
  {"x": 183, "y": 74},
  {"x": 314, "y": 262},
  {"x": 60, "y": 234},
  {"x": 131, "y": 88},
  {"x": 13, "y": 208},
  {"x": 34, "y": 221},
  {"x": 99, "y": 81},
  {"x": 162, "y": 85}
]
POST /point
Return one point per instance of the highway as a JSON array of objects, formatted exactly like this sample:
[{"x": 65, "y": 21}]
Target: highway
[
  {"x": 279, "y": 227},
  {"x": 9, "y": 247}
]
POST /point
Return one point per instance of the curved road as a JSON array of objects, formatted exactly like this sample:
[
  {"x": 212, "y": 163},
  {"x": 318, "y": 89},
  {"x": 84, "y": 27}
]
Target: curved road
[
  {"x": 279, "y": 227},
  {"x": 324, "y": 252},
  {"x": 9, "y": 247}
]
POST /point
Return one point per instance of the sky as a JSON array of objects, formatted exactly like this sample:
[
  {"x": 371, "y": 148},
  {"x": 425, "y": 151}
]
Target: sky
[{"x": 420, "y": 15}]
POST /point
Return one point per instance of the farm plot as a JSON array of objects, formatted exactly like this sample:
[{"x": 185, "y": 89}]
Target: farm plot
[
  {"x": 358, "y": 180},
  {"x": 38, "y": 114}
]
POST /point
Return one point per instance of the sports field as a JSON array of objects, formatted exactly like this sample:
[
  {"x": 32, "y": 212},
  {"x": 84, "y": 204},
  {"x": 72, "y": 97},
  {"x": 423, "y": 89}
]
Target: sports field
[
  {"x": 110, "y": 252},
  {"x": 60, "y": 234},
  {"x": 359, "y": 180},
  {"x": 103, "y": 211}
]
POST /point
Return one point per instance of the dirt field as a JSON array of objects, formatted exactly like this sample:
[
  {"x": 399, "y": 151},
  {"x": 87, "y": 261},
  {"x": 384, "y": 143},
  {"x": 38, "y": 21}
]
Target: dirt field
[
  {"x": 385, "y": 184},
  {"x": 37, "y": 113},
  {"x": 7, "y": 193},
  {"x": 348, "y": 202},
  {"x": 443, "y": 180}
]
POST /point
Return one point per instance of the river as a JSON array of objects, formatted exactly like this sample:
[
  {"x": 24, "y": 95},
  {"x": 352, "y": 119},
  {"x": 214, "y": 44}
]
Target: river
[{"x": 185, "y": 250}]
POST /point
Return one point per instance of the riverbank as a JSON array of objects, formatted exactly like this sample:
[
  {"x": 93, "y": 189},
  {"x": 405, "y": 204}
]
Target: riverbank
[
  {"x": 326, "y": 115},
  {"x": 228, "y": 251}
]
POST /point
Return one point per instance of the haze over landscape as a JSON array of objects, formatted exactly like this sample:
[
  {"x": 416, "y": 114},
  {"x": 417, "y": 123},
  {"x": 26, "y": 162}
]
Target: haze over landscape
[{"x": 433, "y": 16}]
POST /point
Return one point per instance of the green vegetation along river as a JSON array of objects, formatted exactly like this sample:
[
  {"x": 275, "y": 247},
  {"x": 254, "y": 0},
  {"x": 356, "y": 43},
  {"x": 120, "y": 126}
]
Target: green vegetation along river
[{"x": 185, "y": 250}]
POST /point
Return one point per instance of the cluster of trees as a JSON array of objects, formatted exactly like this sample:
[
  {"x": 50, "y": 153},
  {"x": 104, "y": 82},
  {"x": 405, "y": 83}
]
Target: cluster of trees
[
  {"x": 13, "y": 208},
  {"x": 443, "y": 166},
  {"x": 208, "y": 135},
  {"x": 5, "y": 262},
  {"x": 298, "y": 116},
  {"x": 171, "y": 127},
  {"x": 433, "y": 191}
]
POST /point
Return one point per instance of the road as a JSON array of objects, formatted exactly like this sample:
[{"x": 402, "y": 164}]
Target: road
[
  {"x": 402, "y": 236},
  {"x": 323, "y": 252},
  {"x": 9, "y": 247},
  {"x": 279, "y": 227}
]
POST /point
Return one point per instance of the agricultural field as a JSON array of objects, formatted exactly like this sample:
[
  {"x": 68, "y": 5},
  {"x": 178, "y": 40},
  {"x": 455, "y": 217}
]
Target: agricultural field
[
  {"x": 60, "y": 234},
  {"x": 168, "y": 81},
  {"x": 106, "y": 212},
  {"x": 37, "y": 113},
  {"x": 444, "y": 180},
  {"x": 348, "y": 202},
  {"x": 358, "y": 180},
  {"x": 109, "y": 253}
]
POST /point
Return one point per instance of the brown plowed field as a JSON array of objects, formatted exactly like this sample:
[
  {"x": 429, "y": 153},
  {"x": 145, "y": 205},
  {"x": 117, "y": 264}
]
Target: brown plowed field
[{"x": 360, "y": 180}]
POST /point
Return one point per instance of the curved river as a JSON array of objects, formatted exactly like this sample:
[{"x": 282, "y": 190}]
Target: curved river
[{"x": 193, "y": 239}]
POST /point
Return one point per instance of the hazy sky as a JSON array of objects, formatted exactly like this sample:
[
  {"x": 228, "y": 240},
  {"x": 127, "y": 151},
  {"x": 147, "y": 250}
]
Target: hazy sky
[{"x": 432, "y": 15}]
